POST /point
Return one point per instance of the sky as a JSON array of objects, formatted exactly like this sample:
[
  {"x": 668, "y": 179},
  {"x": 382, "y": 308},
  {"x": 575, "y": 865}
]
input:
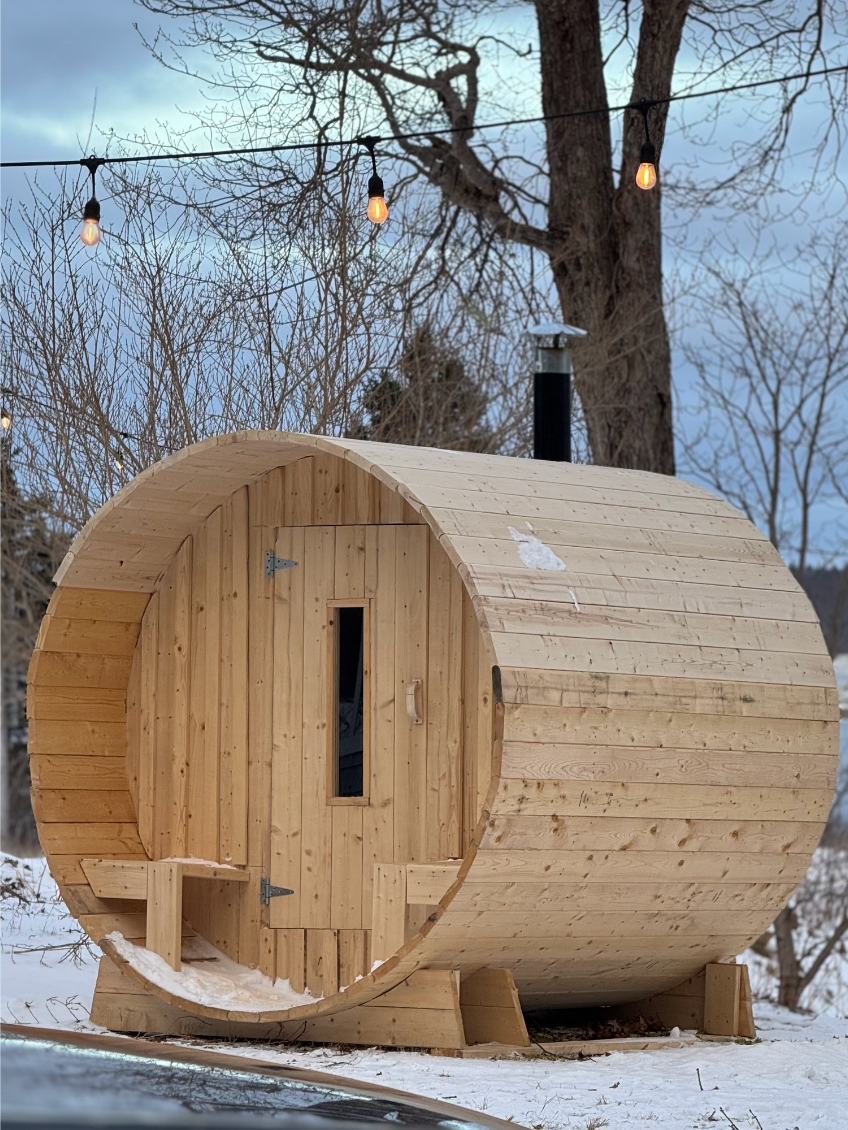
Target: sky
[
  {"x": 58, "y": 56},
  {"x": 63, "y": 58}
]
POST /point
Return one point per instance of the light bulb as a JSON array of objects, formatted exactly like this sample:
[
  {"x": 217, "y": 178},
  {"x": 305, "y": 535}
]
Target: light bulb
[
  {"x": 646, "y": 177},
  {"x": 91, "y": 233},
  {"x": 5, "y": 420},
  {"x": 378, "y": 211}
]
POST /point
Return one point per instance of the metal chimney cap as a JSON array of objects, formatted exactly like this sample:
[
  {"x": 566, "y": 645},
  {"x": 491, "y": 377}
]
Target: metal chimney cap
[{"x": 555, "y": 330}]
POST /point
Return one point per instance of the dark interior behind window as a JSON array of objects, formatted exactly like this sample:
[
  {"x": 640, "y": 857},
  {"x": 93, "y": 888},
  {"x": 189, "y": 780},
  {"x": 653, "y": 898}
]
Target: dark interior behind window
[{"x": 350, "y": 700}]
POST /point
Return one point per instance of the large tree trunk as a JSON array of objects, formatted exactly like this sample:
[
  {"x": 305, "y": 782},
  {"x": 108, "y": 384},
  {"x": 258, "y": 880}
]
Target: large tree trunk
[
  {"x": 608, "y": 266},
  {"x": 791, "y": 986}
]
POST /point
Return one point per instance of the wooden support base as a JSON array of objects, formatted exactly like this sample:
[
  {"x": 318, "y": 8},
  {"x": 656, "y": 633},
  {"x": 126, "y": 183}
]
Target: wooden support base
[
  {"x": 429, "y": 1010},
  {"x": 422, "y": 1012},
  {"x": 491, "y": 1011},
  {"x": 716, "y": 1002}
]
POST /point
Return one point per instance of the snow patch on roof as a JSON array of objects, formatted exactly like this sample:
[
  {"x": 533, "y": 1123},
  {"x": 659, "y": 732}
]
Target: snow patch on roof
[{"x": 535, "y": 554}]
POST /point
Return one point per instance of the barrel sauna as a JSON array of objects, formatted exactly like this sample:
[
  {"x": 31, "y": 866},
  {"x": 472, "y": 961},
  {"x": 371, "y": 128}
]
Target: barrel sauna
[{"x": 343, "y": 740}]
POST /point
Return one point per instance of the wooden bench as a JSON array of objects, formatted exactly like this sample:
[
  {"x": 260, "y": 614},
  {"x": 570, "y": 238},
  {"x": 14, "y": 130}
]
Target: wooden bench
[{"x": 160, "y": 882}]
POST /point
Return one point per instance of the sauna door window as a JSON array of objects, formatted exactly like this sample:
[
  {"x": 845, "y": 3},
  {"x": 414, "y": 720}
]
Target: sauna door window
[{"x": 348, "y": 701}]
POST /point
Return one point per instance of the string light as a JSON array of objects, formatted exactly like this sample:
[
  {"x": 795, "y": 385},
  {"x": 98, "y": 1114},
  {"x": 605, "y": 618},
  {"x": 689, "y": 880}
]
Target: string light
[
  {"x": 91, "y": 233},
  {"x": 424, "y": 135},
  {"x": 5, "y": 420},
  {"x": 646, "y": 175},
  {"x": 378, "y": 210}
]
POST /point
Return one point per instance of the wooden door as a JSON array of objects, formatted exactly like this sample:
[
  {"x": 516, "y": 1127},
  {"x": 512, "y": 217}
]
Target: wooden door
[{"x": 324, "y": 846}]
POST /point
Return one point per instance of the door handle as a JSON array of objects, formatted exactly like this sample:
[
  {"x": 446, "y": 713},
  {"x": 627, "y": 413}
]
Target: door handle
[{"x": 413, "y": 702}]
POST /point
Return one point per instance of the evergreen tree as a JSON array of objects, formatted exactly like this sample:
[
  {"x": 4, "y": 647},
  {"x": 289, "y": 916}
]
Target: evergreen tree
[
  {"x": 32, "y": 548},
  {"x": 431, "y": 401}
]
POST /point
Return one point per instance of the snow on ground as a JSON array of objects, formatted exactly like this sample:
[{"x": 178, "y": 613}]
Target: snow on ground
[{"x": 796, "y": 1076}]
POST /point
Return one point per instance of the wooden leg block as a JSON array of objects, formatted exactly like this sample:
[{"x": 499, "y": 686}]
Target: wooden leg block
[
  {"x": 747, "y": 1028},
  {"x": 722, "y": 991},
  {"x": 491, "y": 1010},
  {"x": 164, "y": 911},
  {"x": 716, "y": 1002}
]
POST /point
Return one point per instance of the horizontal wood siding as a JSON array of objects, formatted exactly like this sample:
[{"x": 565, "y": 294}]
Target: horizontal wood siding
[{"x": 663, "y": 719}]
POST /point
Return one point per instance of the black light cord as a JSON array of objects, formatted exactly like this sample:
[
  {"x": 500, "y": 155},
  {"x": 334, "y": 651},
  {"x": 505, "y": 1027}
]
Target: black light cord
[{"x": 423, "y": 134}]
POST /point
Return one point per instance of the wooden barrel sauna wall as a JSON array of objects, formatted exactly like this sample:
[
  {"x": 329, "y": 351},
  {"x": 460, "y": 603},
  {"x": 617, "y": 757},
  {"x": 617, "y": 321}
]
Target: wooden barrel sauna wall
[{"x": 601, "y": 725}]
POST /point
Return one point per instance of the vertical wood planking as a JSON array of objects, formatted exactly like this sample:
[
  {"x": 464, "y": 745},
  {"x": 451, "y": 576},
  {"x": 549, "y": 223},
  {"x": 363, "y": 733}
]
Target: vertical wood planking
[
  {"x": 361, "y": 497},
  {"x": 388, "y": 912},
  {"x": 198, "y": 814},
  {"x": 350, "y": 563},
  {"x": 250, "y": 918},
  {"x": 316, "y": 835},
  {"x": 287, "y": 730},
  {"x": 267, "y": 508},
  {"x": 224, "y": 914},
  {"x": 291, "y": 958},
  {"x": 182, "y": 693},
  {"x": 234, "y": 675},
  {"x": 485, "y": 732},
  {"x": 322, "y": 962},
  {"x": 328, "y": 497},
  {"x": 353, "y": 956},
  {"x": 299, "y": 492},
  {"x": 133, "y": 728},
  {"x": 164, "y": 911},
  {"x": 378, "y": 817},
  {"x": 393, "y": 509},
  {"x": 470, "y": 695},
  {"x": 346, "y": 893},
  {"x": 172, "y": 703},
  {"x": 164, "y": 699},
  {"x": 444, "y": 708},
  {"x": 209, "y": 786},
  {"x": 410, "y": 664},
  {"x": 268, "y": 952},
  {"x": 149, "y": 645}
]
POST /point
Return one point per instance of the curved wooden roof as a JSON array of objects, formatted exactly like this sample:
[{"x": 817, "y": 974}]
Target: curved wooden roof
[
  {"x": 593, "y": 530},
  {"x": 628, "y": 614}
]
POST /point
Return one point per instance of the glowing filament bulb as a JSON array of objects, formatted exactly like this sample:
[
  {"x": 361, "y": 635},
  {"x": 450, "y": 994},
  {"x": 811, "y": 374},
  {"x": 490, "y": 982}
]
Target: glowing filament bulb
[
  {"x": 5, "y": 420},
  {"x": 646, "y": 177},
  {"x": 91, "y": 233},
  {"x": 378, "y": 211}
]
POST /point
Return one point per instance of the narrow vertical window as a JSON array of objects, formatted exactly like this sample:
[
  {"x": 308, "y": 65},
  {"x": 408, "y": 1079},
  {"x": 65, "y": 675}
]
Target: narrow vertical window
[{"x": 349, "y": 769}]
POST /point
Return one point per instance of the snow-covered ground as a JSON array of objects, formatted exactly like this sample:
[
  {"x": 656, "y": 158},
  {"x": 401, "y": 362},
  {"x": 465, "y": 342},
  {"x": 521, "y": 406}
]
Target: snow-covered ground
[{"x": 797, "y": 1076}]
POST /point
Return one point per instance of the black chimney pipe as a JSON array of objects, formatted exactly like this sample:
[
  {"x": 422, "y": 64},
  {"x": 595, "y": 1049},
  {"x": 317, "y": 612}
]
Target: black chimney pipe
[{"x": 552, "y": 390}]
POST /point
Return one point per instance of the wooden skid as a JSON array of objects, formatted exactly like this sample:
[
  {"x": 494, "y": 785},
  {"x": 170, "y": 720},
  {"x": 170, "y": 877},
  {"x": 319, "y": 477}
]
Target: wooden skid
[{"x": 422, "y": 1012}]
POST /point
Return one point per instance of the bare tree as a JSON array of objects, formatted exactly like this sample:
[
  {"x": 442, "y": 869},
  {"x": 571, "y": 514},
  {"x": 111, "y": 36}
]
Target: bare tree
[
  {"x": 808, "y": 934},
  {"x": 185, "y": 324},
  {"x": 772, "y": 378},
  {"x": 771, "y": 384},
  {"x": 305, "y": 67}
]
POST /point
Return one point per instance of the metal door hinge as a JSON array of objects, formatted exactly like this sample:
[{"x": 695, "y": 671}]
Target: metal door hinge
[
  {"x": 268, "y": 891},
  {"x": 273, "y": 563}
]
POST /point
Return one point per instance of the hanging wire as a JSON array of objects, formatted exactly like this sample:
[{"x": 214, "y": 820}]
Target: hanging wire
[{"x": 295, "y": 147}]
